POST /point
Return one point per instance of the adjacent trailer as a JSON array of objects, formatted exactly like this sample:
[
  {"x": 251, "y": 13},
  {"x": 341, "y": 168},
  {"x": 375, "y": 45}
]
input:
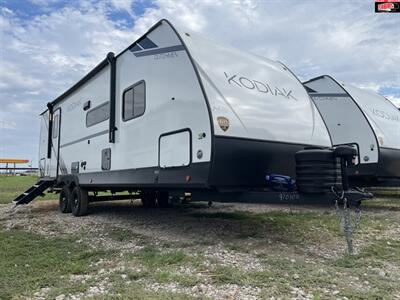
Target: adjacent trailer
[
  {"x": 177, "y": 112},
  {"x": 365, "y": 120}
]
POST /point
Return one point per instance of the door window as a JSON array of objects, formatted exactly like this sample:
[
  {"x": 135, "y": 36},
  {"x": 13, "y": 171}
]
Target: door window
[{"x": 56, "y": 126}]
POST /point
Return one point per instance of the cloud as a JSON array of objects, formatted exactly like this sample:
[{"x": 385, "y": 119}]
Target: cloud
[
  {"x": 7, "y": 124},
  {"x": 343, "y": 39},
  {"x": 44, "y": 2},
  {"x": 45, "y": 52},
  {"x": 123, "y": 4},
  {"x": 13, "y": 77},
  {"x": 41, "y": 57}
]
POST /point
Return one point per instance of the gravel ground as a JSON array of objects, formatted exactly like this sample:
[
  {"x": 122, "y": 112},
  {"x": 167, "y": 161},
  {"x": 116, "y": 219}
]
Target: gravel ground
[{"x": 216, "y": 238}]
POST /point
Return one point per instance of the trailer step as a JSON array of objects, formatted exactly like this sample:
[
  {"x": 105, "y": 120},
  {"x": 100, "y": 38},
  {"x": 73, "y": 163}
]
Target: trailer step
[{"x": 34, "y": 191}]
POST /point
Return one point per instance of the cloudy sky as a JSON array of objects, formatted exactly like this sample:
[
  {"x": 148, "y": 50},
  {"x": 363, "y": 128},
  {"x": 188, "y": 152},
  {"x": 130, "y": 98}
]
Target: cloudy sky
[{"x": 47, "y": 45}]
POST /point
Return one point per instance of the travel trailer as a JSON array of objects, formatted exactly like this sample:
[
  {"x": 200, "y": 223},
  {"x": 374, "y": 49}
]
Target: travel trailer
[
  {"x": 366, "y": 120},
  {"x": 175, "y": 112}
]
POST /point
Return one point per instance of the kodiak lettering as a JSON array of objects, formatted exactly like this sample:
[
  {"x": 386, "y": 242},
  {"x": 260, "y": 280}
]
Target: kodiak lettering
[{"x": 262, "y": 87}]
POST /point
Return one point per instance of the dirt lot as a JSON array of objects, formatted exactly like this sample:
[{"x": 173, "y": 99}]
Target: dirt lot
[{"x": 229, "y": 251}]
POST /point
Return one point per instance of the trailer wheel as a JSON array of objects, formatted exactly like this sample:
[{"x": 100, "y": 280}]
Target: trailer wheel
[
  {"x": 149, "y": 199},
  {"x": 163, "y": 199},
  {"x": 79, "y": 201},
  {"x": 64, "y": 203}
]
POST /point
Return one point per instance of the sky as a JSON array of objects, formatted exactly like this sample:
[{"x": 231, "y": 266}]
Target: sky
[{"x": 48, "y": 45}]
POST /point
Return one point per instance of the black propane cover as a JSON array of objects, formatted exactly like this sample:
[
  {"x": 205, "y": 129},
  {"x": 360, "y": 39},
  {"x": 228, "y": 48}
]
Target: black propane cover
[{"x": 317, "y": 170}]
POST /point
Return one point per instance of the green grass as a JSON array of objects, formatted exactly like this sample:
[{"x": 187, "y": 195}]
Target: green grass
[
  {"x": 230, "y": 275},
  {"x": 280, "y": 220},
  {"x": 137, "y": 292},
  {"x": 13, "y": 186},
  {"x": 123, "y": 235},
  {"x": 174, "y": 277},
  {"x": 309, "y": 273},
  {"x": 382, "y": 202},
  {"x": 380, "y": 251},
  {"x": 287, "y": 227},
  {"x": 312, "y": 273},
  {"x": 154, "y": 258},
  {"x": 385, "y": 250},
  {"x": 386, "y": 192},
  {"x": 162, "y": 266},
  {"x": 29, "y": 262},
  {"x": 291, "y": 227}
]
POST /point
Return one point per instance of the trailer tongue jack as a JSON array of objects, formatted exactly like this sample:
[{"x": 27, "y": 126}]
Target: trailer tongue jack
[{"x": 347, "y": 225}]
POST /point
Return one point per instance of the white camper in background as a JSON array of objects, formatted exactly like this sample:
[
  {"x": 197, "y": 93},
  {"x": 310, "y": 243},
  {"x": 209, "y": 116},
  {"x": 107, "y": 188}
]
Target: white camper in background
[
  {"x": 176, "y": 112},
  {"x": 366, "y": 120}
]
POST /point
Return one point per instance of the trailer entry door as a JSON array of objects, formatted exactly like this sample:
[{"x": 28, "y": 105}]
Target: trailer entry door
[
  {"x": 44, "y": 170},
  {"x": 55, "y": 138}
]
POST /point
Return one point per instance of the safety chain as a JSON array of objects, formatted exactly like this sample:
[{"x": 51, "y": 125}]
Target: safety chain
[{"x": 348, "y": 225}]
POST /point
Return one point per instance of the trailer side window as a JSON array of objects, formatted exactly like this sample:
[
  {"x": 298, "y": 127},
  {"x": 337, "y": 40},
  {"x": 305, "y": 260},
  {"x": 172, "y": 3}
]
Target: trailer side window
[
  {"x": 134, "y": 101},
  {"x": 98, "y": 114}
]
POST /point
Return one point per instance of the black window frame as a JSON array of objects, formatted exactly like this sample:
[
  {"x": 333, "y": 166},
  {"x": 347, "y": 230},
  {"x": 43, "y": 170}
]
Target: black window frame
[
  {"x": 132, "y": 87},
  {"x": 56, "y": 126},
  {"x": 94, "y": 108}
]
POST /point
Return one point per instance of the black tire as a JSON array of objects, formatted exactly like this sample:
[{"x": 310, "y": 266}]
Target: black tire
[
  {"x": 79, "y": 201},
  {"x": 148, "y": 199},
  {"x": 64, "y": 202},
  {"x": 163, "y": 199}
]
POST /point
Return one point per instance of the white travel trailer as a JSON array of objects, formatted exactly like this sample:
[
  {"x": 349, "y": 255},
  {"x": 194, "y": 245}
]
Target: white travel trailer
[
  {"x": 366, "y": 120},
  {"x": 175, "y": 112}
]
